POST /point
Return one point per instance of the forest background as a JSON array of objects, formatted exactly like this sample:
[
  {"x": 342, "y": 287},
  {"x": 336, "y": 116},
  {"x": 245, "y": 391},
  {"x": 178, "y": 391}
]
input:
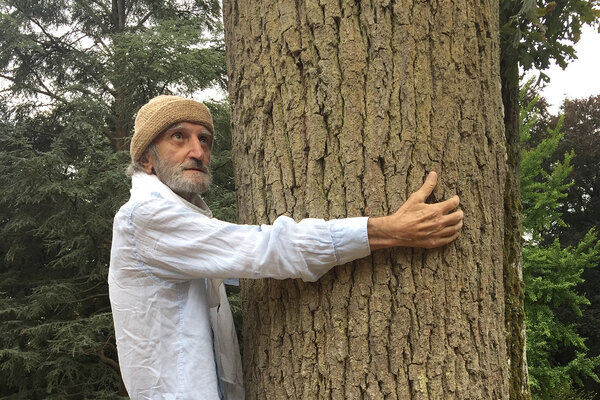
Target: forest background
[{"x": 72, "y": 75}]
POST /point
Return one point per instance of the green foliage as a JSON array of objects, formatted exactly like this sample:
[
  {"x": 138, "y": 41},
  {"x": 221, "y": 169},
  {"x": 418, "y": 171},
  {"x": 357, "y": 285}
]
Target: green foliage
[
  {"x": 552, "y": 273},
  {"x": 61, "y": 187},
  {"x": 221, "y": 196},
  {"x": 120, "y": 56},
  {"x": 541, "y": 190},
  {"x": 581, "y": 208},
  {"x": 551, "y": 277},
  {"x": 72, "y": 75},
  {"x": 533, "y": 33}
]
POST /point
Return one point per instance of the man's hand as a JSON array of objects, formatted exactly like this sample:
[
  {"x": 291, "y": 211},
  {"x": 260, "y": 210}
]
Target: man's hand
[{"x": 417, "y": 224}]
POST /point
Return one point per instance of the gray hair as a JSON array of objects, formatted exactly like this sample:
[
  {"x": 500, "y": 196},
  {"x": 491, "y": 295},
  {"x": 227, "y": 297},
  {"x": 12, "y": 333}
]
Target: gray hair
[{"x": 136, "y": 166}]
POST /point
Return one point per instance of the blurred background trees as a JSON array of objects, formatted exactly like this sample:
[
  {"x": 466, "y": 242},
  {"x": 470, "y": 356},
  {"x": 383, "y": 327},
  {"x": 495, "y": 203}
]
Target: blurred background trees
[{"x": 557, "y": 255}]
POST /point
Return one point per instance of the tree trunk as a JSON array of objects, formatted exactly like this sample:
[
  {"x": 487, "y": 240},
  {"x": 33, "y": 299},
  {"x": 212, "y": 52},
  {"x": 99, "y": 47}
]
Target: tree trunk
[
  {"x": 513, "y": 262},
  {"x": 340, "y": 109},
  {"x": 121, "y": 119}
]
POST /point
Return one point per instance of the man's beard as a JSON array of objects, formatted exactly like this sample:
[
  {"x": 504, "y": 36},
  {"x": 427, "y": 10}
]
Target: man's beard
[{"x": 185, "y": 186}]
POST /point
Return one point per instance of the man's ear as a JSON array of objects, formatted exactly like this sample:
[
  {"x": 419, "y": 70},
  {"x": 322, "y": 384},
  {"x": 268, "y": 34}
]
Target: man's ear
[{"x": 147, "y": 163}]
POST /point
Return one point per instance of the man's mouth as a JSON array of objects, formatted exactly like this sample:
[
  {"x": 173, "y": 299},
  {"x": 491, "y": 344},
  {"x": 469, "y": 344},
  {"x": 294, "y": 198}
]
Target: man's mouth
[{"x": 195, "y": 169}]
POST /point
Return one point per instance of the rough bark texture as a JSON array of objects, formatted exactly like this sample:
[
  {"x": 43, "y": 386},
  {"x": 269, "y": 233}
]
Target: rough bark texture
[
  {"x": 339, "y": 108},
  {"x": 513, "y": 261}
]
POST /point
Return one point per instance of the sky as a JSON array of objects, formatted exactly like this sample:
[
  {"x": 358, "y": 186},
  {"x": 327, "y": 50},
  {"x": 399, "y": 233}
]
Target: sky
[{"x": 581, "y": 78}]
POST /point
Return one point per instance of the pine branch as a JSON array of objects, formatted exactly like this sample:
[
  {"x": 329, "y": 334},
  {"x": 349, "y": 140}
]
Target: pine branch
[
  {"x": 93, "y": 15},
  {"x": 86, "y": 298},
  {"x": 71, "y": 46},
  {"x": 101, "y": 5},
  {"x": 38, "y": 24},
  {"x": 93, "y": 287},
  {"x": 143, "y": 20},
  {"x": 107, "y": 360},
  {"x": 45, "y": 91},
  {"x": 128, "y": 8},
  {"x": 99, "y": 311}
]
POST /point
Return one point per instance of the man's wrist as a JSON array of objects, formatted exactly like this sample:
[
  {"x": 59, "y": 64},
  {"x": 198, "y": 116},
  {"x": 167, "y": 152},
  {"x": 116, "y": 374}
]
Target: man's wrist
[{"x": 378, "y": 239}]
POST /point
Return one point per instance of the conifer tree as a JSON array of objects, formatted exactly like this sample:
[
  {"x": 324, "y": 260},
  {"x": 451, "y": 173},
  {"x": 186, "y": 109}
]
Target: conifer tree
[
  {"x": 73, "y": 73},
  {"x": 556, "y": 353}
]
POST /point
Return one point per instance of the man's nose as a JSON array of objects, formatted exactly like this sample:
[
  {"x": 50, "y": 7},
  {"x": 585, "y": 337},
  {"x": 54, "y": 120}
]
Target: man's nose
[{"x": 196, "y": 149}]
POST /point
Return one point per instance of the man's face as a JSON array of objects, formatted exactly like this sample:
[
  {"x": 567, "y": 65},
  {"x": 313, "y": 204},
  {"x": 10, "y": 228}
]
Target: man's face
[{"x": 182, "y": 158}]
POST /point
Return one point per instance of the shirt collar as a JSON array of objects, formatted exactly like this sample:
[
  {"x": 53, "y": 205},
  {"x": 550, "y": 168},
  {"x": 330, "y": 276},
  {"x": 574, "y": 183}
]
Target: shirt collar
[{"x": 143, "y": 184}]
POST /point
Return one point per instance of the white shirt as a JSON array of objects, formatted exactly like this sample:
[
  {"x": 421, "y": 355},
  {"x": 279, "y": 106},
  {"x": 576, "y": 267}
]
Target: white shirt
[{"x": 168, "y": 260}]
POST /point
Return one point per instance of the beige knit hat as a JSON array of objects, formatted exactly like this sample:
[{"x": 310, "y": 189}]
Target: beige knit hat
[{"x": 160, "y": 113}]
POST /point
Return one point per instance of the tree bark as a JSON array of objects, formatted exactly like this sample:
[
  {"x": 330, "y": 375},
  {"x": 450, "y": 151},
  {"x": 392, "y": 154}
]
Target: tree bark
[
  {"x": 513, "y": 261},
  {"x": 340, "y": 109}
]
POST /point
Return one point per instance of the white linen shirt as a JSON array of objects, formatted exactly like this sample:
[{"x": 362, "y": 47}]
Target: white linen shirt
[{"x": 168, "y": 260}]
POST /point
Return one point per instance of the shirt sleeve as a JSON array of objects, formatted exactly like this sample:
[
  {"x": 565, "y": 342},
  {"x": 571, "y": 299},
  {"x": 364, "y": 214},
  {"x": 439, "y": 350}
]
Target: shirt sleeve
[{"x": 174, "y": 242}]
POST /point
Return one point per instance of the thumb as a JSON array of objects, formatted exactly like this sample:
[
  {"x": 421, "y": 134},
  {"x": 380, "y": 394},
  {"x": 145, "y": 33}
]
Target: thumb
[{"x": 428, "y": 186}]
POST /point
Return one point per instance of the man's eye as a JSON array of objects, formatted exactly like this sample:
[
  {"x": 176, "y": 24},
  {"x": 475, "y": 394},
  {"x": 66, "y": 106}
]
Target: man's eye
[
  {"x": 203, "y": 139},
  {"x": 177, "y": 136}
]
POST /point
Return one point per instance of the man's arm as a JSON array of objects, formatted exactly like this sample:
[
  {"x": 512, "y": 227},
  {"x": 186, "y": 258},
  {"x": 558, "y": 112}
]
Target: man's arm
[
  {"x": 174, "y": 242},
  {"x": 416, "y": 223}
]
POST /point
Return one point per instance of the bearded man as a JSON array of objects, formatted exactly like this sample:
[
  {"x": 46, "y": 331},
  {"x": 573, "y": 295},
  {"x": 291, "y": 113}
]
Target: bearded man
[{"x": 169, "y": 257}]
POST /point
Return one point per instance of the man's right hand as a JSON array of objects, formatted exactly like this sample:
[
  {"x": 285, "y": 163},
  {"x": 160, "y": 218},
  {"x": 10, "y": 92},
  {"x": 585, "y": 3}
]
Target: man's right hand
[{"x": 416, "y": 223}]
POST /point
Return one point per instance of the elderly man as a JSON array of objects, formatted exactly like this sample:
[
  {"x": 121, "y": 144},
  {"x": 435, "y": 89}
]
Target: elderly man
[{"x": 169, "y": 257}]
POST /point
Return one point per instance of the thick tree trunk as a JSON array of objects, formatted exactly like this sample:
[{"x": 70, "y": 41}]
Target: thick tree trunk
[{"x": 340, "y": 109}]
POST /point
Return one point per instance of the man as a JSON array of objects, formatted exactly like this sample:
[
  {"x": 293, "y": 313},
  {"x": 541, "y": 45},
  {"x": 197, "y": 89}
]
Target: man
[{"x": 169, "y": 257}]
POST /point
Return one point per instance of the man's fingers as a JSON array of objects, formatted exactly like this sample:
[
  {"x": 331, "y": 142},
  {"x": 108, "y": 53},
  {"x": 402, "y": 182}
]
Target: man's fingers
[
  {"x": 448, "y": 239},
  {"x": 453, "y": 218},
  {"x": 450, "y": 204},
  {"x": 450, "y": 230},
  {"x": 445, "y": 236},
  {"x": 428, "y": 186},
  {"x": 438, "y": 241},
  {"x": 445, "y": 225}
]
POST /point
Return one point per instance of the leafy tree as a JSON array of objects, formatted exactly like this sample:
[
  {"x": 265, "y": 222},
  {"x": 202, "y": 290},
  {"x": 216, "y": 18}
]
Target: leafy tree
[
  {"x": 532, "y": 33},
  {"x": 557, "y": 354},
  {"x": 580, "y": 208},
  {"x": 537, "y": 32},
  {"x": 73, "y": 73}
]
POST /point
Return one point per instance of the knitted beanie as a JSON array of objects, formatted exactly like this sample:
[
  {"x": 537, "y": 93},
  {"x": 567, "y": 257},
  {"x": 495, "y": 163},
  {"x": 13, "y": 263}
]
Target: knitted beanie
[{"x": 160, "y": 113}]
